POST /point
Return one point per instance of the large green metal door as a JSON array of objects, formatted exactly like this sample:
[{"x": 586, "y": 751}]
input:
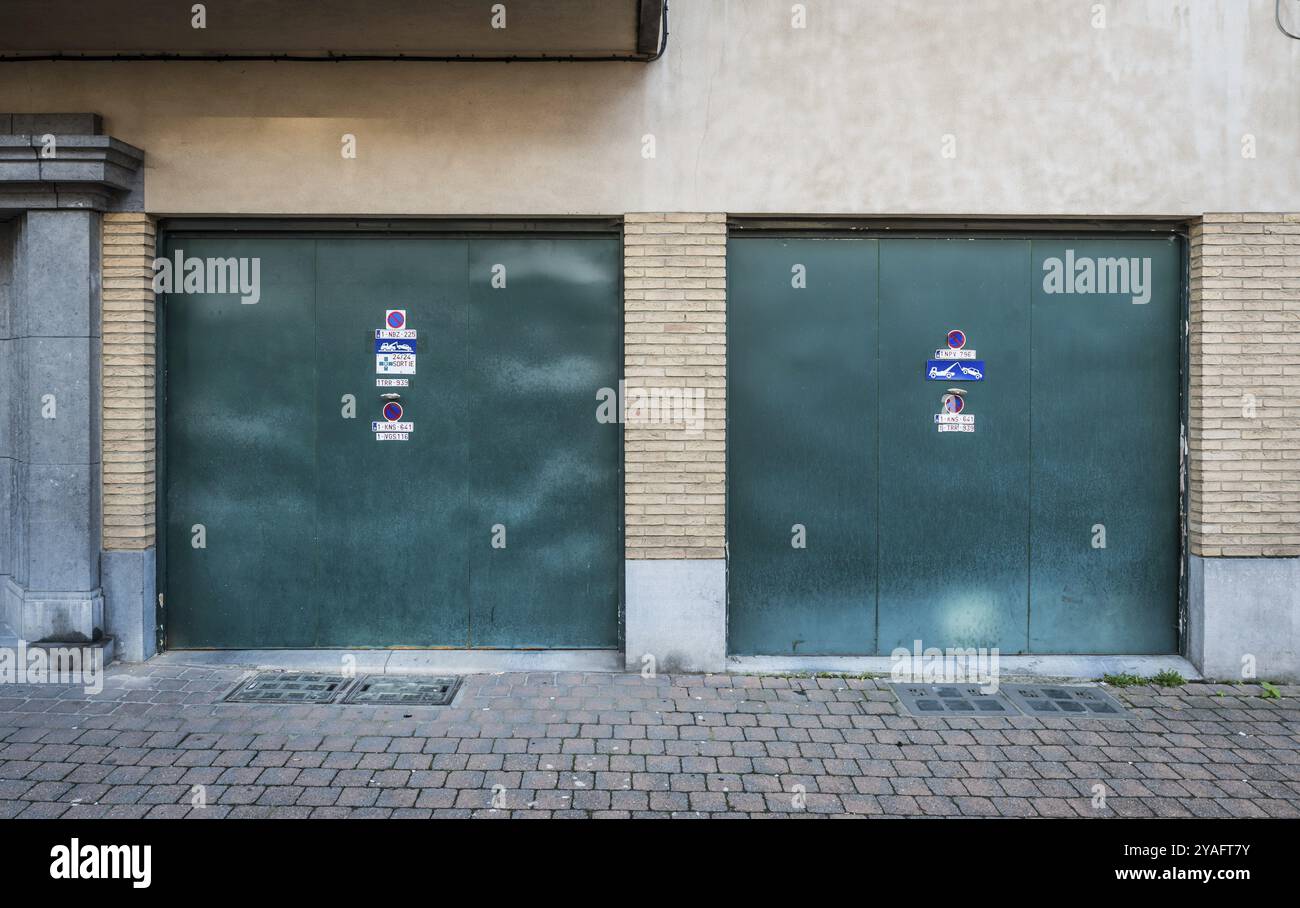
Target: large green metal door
[
  {"x": 392, "y": 516},
  {"x": 240, "y": 433},
  {"x": 1104, "y": 528},
  {"x": 1053, "y": 527},
  {"x": 544, "y": 478},
  {"x": 288, "y": 524},
  {"x": 954, "y": 507},
  {"x": 801, "y": 508}
]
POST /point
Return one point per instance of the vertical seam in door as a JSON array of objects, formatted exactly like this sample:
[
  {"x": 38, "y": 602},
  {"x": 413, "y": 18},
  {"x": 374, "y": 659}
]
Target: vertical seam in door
[
  {"x": 1029, "y": 473},
  {"x": 726, "y": 438},
  {"x": 876, "y": 428},
  {"x": 466, "y": 422},
  {"x": 315, "y": 432},
  {"x": 162, "y": 578},
  {"x": 1181, "y": 616}
]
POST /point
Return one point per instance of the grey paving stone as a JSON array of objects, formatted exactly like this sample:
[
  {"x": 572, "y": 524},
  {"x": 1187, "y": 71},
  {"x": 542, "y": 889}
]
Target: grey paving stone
[{"x": 588, "y": 744}]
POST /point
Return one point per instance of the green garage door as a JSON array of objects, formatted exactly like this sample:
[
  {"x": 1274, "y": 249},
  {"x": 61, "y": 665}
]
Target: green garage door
[
  {"x": 801, "y": 446},
  {"x": 494, "y": 523},
  {"x": 856, "y": 526}
]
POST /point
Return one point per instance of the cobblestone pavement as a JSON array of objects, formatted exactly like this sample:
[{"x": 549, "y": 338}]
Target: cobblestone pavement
[{"x": 575, "y": 744}]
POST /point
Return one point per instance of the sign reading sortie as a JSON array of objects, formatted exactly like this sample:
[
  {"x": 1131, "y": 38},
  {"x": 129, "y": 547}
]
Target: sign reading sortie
[{"x": 395, "y": 352}]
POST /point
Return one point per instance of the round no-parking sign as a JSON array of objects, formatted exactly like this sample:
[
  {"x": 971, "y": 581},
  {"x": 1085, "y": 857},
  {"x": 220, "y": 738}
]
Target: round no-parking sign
[
  {"x": 392, "y": 411},
  {"x": 395, "y": 319}
]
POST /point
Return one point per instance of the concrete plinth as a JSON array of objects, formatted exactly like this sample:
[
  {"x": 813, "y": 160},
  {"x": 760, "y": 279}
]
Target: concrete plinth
[
  {"x": 677, "y": 614},
  {"x": 1244, "y": 618}
]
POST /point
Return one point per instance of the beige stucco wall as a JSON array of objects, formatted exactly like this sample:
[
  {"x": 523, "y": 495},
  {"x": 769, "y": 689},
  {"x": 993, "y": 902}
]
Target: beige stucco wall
[{"x": 1049, "y": 116}]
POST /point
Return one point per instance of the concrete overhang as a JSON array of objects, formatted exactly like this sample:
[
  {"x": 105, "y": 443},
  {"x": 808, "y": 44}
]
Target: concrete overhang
[
  {"x": 63, "y": 161},
  {"x": 447, "y": 30}
]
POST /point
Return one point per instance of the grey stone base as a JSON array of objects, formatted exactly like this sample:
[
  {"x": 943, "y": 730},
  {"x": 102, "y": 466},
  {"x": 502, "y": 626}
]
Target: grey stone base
[
  {"x": 11, "y": 613},
  {"x": 1242, "y": 611},
  {"x": 403, "y": 661},
  {"x": 129, "y": 581},
  {"x": 78, "y": 658},
  {"x": 76, "y": 617},
  {"x": 1010, "y": 668},
  {"x": 676, "y": 613}
]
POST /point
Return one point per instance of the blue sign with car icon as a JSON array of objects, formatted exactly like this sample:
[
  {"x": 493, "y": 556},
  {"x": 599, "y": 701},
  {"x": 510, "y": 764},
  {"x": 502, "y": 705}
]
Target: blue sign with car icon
[{"x": 954, "y": 370}]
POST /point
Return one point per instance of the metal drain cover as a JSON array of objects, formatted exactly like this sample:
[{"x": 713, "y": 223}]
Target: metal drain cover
[
  {"x": 1064, "y": 700},
  {"x": 403, "y": 690},
  {"x": 951, "y": 700},
  {"x": 289, "y": 687}
]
